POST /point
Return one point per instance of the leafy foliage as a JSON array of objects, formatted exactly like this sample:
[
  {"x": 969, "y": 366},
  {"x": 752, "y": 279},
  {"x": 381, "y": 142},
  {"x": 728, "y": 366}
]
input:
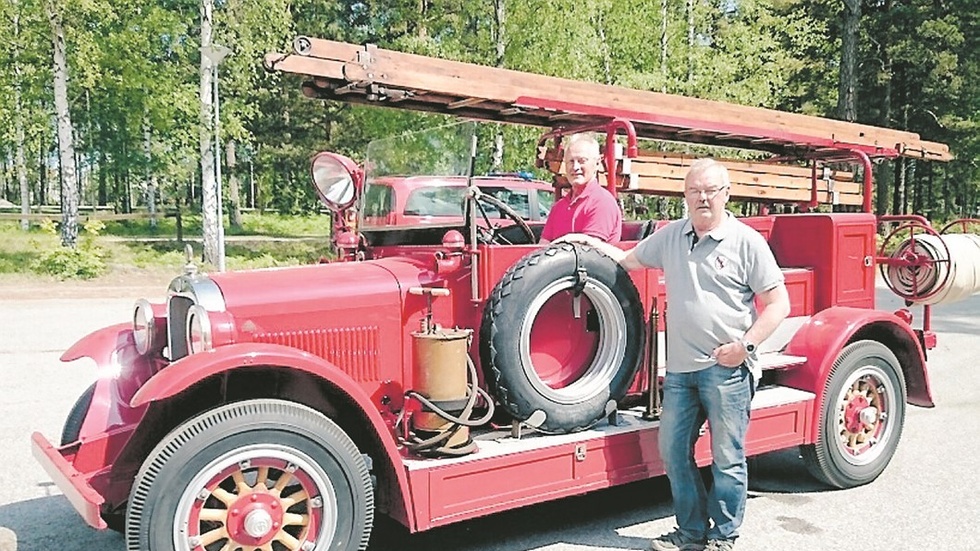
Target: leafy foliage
[{"x": 134, "y": 83}]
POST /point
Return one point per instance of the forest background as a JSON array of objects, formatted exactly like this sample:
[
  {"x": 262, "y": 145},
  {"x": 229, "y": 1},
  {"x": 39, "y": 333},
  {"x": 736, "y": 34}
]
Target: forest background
[{"x": 122, "y": 82}]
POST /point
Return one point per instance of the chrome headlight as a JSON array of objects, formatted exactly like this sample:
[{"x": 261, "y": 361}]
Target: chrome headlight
[
  {"x": 144, "y": 327},
  {"x": 198, "y": 330}
]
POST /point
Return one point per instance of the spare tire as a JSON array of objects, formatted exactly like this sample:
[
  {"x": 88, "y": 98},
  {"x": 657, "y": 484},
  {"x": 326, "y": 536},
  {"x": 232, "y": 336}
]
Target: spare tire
[{"x": 555, "y": 365}]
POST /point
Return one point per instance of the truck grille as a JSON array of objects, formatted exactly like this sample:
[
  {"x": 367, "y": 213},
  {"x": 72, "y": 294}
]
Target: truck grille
[
  {"x": 177, "y": 325},
  {"x": 355, "y": 349}
]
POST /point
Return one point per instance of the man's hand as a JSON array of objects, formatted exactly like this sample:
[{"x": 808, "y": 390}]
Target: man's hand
[
  {"x": 579, "y": 238},
  {"x": 732, "y": 354},
  {"x": 626, "y": 259}
]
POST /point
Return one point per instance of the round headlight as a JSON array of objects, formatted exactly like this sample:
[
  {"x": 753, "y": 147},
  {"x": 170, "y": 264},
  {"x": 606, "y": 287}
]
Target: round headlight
[
  {"x": 144, "y": 327},
  {"x": 198, "y": 330}
]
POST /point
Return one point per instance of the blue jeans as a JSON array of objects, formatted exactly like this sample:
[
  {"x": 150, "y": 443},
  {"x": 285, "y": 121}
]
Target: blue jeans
[{"x": 722, "y": 395}]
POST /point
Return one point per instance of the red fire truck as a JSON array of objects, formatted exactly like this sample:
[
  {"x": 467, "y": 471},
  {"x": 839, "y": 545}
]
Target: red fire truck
[{"x": 443, "y": 371}]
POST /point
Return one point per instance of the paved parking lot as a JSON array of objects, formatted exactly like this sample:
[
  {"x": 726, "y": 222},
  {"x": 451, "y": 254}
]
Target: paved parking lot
[{"x": 926, "y": 499}]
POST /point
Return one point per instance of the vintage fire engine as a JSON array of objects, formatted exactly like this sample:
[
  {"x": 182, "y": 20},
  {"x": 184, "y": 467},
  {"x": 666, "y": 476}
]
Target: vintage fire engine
[{"x": 436, "y": 373}]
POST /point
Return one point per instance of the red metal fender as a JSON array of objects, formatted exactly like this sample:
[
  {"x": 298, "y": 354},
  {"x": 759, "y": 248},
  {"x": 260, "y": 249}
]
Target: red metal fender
[
  {"x": 99, "y": 345},
  {"x": 826, "y": 333},
  {"x": 121, "y": 371},
  {"x": 196, "y": 367}
]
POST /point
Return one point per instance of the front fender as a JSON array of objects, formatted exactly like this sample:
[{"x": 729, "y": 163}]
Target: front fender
[
  {"x": 823, "y": 337},
  {"x": 99, "y": 344},
  {"x": 121, "y": 372},
  {"x": 189, "y": 370}
]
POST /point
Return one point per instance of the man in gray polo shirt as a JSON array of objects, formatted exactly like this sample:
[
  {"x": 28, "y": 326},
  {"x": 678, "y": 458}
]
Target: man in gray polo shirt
[{"x": 715, "y": 267}]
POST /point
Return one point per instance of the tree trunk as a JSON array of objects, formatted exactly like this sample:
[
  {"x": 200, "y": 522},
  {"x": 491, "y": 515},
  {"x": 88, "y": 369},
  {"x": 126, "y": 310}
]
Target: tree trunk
[
  {"x": 500, "y": 49},
  {"x": 66, "y": 146},
  {"x": 150, "y": 193},
  {"x": 600, "y": 24},
  {"x": 663, "y": 46},
  {"x": 886, "y": 114},
  {"x": 847, "y": 79},
  {"x": 103, "y": 193},
  {"x": 690, "y": 44},
  {"x": 20, "y": 164},
  {"x": 898, "y": 198},
  {"x": 42, "y": 167},
  {"x": 234, "y": 187},
  {"x": 421, "y": 30},
  {"x": 209, "y": 186}
]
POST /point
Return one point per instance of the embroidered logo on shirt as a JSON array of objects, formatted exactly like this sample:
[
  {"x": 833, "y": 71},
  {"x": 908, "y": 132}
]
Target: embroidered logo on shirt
[{"x": 720, "y": 262}]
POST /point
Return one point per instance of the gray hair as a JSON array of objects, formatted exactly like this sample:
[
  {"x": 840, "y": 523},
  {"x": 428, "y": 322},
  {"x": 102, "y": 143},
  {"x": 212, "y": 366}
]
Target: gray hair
[
  {"x": 589, "y": 139},
  {"x": 708, "y": 170}
]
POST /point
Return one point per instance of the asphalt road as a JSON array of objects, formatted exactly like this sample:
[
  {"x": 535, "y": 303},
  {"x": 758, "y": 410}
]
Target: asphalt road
[{"x": 928, "y": 497}]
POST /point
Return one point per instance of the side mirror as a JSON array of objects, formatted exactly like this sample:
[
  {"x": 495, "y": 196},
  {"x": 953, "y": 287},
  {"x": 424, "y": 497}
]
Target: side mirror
[{"x": 337, "y": 180}]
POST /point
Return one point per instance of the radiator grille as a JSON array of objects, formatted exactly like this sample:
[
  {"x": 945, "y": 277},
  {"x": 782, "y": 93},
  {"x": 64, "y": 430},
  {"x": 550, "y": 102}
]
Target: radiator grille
[
  {"x": 177, "y": 325},
  {"x": 355, "y": 349}
]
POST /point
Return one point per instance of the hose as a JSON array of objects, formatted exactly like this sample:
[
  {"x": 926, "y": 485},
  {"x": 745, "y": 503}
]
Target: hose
[{"x": 433, "y": 446}]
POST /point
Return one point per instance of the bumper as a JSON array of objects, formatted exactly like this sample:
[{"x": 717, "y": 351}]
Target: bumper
[{"x": 72, "y": 483}]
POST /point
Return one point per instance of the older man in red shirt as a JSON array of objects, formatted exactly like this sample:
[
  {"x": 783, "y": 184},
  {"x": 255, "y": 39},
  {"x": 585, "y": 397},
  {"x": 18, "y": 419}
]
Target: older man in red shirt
[{"x": 589, "y": 208}]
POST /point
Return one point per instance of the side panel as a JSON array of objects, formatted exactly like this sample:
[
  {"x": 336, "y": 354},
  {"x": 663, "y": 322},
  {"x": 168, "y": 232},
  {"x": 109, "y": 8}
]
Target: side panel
[
  {"x": 838, "y": 247},
  {"x": 445, "y": 492},
  {"x": 855, "y": 285}
]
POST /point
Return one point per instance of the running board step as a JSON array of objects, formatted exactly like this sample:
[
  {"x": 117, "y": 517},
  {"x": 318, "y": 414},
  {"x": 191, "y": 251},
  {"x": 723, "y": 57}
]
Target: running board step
[
  {"x": 498, "y": 443},
  {"x": 778, "y": 360}
]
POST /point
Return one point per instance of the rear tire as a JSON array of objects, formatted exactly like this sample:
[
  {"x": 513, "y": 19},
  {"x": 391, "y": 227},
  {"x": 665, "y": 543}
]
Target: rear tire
[
  {"x": 861, "y": 416},
  {"x": 248, "y": 475}
]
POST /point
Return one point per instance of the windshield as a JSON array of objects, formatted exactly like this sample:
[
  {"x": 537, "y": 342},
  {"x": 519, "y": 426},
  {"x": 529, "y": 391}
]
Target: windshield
[
  {"x": 420, "y": 179},
  {"x": 392, "y": 163}
]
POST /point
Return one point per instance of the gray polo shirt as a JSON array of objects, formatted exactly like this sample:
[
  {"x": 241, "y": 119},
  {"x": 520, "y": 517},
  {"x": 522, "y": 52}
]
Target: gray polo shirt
[{"x": 711, "y": 284}]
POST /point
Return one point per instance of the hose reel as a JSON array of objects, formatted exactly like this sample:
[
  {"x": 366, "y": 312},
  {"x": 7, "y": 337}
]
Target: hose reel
[
  {"x": 929, "y": 267},
  {"x": 438, "y": 412}
]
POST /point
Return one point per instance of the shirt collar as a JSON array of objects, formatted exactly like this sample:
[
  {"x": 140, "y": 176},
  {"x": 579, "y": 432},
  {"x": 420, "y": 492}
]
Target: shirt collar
[
  {"x": 589, "y": 189},
  {"x": 718, "y": 233}
]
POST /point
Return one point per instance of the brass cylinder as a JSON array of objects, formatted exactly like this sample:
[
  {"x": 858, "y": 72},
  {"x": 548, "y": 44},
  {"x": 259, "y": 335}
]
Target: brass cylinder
[{"x": 440, "y": 360}]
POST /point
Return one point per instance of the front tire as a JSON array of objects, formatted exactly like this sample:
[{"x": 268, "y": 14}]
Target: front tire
[
  {"x": 253, "y": 474},
  {"x": 73, "y": 423},
  {"x": 861, "y": 417}
]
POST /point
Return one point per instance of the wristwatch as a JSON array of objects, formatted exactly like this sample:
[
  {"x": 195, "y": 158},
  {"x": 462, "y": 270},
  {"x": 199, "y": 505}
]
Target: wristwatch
[{"x": 749, "y": 346}]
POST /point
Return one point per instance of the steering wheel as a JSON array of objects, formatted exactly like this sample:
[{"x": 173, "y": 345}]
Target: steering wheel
[{"x": 492, "y": 233}]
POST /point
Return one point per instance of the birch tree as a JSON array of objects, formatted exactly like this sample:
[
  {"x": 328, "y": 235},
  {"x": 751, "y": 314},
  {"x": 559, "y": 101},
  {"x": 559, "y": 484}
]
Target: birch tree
[
  {"x": 66, "y": 145},
  {"x": 209, "y": 186}
]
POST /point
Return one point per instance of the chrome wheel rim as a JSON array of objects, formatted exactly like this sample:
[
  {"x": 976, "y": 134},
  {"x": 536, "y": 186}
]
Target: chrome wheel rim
[
  {"x": 258, "y": 497},
  {"x": 862, "y": 420}
]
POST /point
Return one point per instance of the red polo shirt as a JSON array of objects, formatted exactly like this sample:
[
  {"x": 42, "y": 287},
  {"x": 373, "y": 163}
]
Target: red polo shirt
[{"x": 594, "y": 212}]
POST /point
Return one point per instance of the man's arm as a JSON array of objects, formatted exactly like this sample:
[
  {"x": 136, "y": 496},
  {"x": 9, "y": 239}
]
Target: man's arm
[
  {"x": 776, "y": 308},
  {"x": 626, "y": 258},
  {"x": 776, "y": 303}
]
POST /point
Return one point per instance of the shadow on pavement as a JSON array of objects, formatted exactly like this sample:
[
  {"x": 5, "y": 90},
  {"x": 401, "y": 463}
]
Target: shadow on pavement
[
  {"x": 49, "y": 523},
  {"x": 589, "y": 521}
]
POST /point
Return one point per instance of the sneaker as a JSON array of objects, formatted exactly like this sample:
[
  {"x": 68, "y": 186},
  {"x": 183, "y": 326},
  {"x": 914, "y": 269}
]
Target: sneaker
[
  {"x": 676, "y": 541},
  {"x": 720, "y": 545}
]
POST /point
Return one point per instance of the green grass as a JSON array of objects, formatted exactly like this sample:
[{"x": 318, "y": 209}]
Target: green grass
[
  {"x": 125, "y": 245},
  {"x": 270, "y": 225}
]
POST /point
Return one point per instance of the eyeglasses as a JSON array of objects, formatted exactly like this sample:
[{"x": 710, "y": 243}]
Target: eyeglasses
[{"x": 708, "y": 194}]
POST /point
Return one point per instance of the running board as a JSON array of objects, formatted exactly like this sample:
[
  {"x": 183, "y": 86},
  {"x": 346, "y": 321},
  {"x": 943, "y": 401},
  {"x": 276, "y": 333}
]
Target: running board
[
  {"x": 507, "y": 472},
  {"x": 778, "y": 360},
  {"x": 500, "y": 442},
  {"x": 766, "y": 361}
]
